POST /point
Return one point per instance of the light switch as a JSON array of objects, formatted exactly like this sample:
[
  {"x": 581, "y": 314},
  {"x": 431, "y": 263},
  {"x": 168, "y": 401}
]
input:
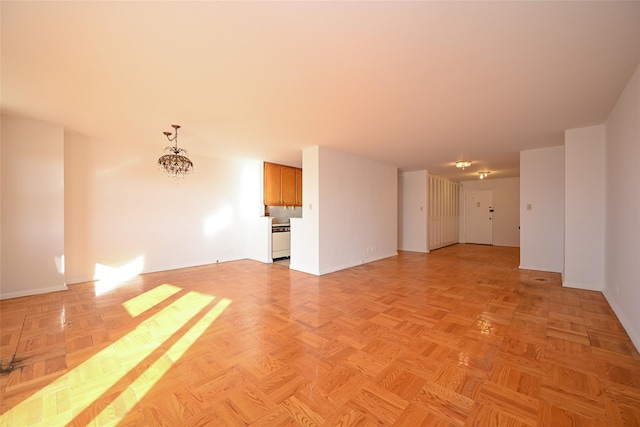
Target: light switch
[
  {"x": 528, "y": 206},
  {"x": 310, "y": 206}
]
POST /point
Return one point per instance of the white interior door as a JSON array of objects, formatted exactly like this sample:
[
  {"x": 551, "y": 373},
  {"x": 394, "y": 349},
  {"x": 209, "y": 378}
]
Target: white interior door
[{"x": 478, "y": 217}]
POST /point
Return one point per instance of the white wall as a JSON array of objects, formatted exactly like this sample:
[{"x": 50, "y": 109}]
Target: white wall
[
  {"x": 79, "y": 216},
  {"x": 412, "y": 211},
  {"x": 359, "y": 210},
  {"x": 584, "y": 208},
  {"x": 622, "y": 230},
  {"x": 1, "y": 117},
  {"x": 542, "y": 227},
  {"x": 305, "y": 231},
  {"x": 506, "y": 203},
  {"x": 125, "y": 215},
  {"x": 112, "y": 214},
  {"x": 32, "y": 219},
  {"x": 259, "y": 244},
  {"x": 350, "y": 212}
]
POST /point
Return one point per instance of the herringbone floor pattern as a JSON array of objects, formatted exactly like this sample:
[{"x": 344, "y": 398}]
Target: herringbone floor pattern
[{"x": 458, "y": 337}]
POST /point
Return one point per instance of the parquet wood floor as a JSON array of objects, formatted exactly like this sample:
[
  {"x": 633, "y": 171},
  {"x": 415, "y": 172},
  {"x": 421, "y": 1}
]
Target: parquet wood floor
[{"x": 457, "y": 337}]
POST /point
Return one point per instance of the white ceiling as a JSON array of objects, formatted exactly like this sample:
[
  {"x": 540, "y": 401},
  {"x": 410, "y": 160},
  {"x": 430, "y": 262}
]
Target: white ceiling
[{"x": 417, "y": 85}]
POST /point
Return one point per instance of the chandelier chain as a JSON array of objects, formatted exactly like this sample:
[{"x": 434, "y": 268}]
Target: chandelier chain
[{"x": 175, "y": 135}]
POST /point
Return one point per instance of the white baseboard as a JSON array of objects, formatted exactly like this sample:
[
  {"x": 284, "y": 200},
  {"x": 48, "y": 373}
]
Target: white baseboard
[
  {"x": 575, "y": 285},
  {"x": 628, "y": 326},
  {"x": 537, "y": 268},
  {"x": 30, "y": 292},
  {"x": 365, "y": 261}
]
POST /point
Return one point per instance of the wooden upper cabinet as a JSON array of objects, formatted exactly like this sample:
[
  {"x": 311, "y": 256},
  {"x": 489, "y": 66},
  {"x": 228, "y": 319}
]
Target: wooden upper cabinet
[
  {"x": 272, "y": 184},
  {"x": 288, "y": 185},
  {"x": 280, "y": 185},
  {"x": 298, "y": 187}
]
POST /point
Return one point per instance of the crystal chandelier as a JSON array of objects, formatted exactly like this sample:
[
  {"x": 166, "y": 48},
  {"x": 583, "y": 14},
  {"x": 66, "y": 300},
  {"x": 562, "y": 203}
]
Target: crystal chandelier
[{"x": 175, "y": 164}]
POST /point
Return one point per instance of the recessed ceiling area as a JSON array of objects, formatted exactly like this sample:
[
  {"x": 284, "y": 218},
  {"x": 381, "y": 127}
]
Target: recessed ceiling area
[{"x": 418, "y": 85}]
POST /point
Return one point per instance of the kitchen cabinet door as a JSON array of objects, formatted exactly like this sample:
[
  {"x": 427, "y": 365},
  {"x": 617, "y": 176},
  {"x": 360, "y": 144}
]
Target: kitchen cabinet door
[
  {"x": 272, "y": 184},
  {"x": 288, "y": 177},
  {"x": 298, "y": 187}
]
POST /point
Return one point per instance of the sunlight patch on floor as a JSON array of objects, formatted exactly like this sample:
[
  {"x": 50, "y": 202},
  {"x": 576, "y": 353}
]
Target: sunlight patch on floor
[
  {"x": 72, "y": 394},
  {"x": 149, "y": 299},
  {"x": 145, "y": 382}
]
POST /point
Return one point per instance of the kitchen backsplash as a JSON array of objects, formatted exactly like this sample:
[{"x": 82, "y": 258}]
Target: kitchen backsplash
[{"x": 281, "y": 214}]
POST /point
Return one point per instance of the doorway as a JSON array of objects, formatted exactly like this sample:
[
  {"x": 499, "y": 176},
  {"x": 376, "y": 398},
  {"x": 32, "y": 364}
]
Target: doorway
[{"x": 478, "y": 217}]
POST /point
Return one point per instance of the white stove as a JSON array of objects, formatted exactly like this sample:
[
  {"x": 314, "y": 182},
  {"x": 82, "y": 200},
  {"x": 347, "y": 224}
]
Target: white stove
[{"x": 280, "y": 241}]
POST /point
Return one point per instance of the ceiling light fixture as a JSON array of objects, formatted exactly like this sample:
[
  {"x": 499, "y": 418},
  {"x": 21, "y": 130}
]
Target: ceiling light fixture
[
  {"x": 483, "y": 175},
  {"x": 175, "y": 164},
  {"x": 463, "y": 164}
]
